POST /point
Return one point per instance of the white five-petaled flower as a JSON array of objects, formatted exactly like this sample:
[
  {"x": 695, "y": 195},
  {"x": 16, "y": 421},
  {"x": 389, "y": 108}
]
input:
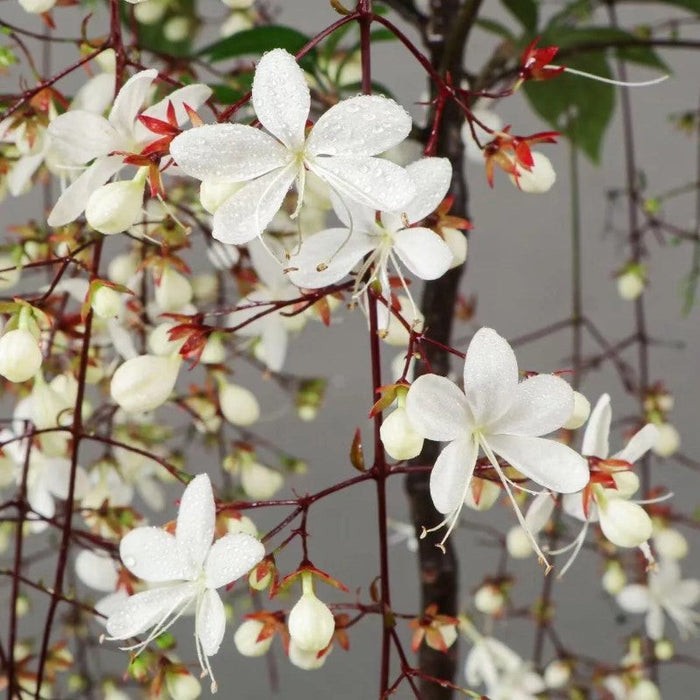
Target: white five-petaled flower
[
  {"x": 189, "y": 569},
  {"x": 340, "y": 149},
  {"x": 498, "y": 415},
  {"x": 328, "y": 256},
  {"x": 664, "y": 592}
]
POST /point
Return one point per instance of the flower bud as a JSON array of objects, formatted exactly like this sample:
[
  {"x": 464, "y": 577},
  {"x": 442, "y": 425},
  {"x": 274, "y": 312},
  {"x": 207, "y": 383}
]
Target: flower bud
[
  {"x": 122, "y": 268},
  {"x": 311, "y": 623},
  {"x": 260, "y": 482},
  {"x": 627, "y": 483},
  {"x": 261, "y": 576},
  {"x": 539, "y": 179},
  {"x": 399, "y": 438},
  {"x": 106, "y": 302},
  {"x": 241, "y": 524},
  {"x": 645, "y": 690},
  {"x": 518, "y": 543},
  {"x": 396, "y": 333},
  {"x": 247, "y": 639},
  {"x": 176, "y": 29},
  {"x": 614, "y": 578},
  {"x": 664, "y": 650},
  {"x": 205, "y": 287},
  {"x": 582, "y": 409},
  {"x": 115, "y": 206},
  {"x": 37, "y": 7},
  {"x": 670, "y": 544},
  {"x": 457, "y": 243},
  {"x": 448, "y": 635},
  {"x": 668, "y": 440},
  {"x": 20, "y": 356},
  {"x": 238, "y": 405},
  {"x": 206, "y": 418},
  {"x": 150, "y": 11},
  {"x": 182, "y": 685},
  {"x": 10, "y": 275},
  {"x": 143, "y": 383},
  {"x": 159, "y": 342},
  {"x": 557, "y": 674},
  {"x": 624, "y": 523},
  {"x": 214, "y": 352},
  {"x": 631, "y": 282},
  {"x": 239, "y": 4},
  {"x": 489, "y": 599},
  {"x": 173, "y": 290},
  {"x": 306, "y": 660},
  {"x": 481, "y": 494}
]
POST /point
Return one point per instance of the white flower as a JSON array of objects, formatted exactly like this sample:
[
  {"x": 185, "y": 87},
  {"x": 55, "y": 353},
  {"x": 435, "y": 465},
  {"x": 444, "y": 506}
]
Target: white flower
[
  {"x": 339, "y": 149},
  {"x": 399, "y": 438},
  {"x": 20, "y": 356},
  {"x": 311, "y": 623},
  {"x": 328, "y": 256},
  {"x": 664, "y": 592},
  {"x": 189, "y": 569},
  {"x": 668, "y": 440},
  {"x": 145, "y": 382},
  {"x": 238, "y": 404},
  {"x": 500, "y": 416}
]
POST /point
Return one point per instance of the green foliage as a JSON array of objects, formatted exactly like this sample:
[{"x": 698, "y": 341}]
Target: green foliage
[{"x": 525, "y": 11}]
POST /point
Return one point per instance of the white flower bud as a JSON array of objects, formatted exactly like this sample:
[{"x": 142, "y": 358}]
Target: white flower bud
[
  {"x": 159, "y": 342},
  {"x": 457, "y": 243},
  {"x": 122, "y": 268},
  {"x": 488, "y": 494},
  {"x": 614, "y": 578},
  {"x": 489, "y": 600},
  {"x": 627, "y": 483},
  {"x": 239, "y": 406},
  {"x": 557, "y": 674},
  {"x": 539, "y": 179},
  {"x": 239, "y": 4},
  {"x": 20, "y": 356},
  {"x": 246, "y": 639},
  {"x": 260, "y": 482},
  {"x": 259, "y": 581},
  {"x": 143, "y": 383},
  {"x": 173, "y": 290},
  {"x": 242, "y": 524},
  {"x": 664, "y": 650},
  {"x": 311, "y": 624},
  {"x": 396, "y": 334},
  {"x": 449, "y": 637},
  {"x": 106, "y": 302},
  {"x": 668, "y": 440},
  {"x": 670, "y": 543},
  {"x": 213, "y": 193},
  {"x": 9, "y": 277},
  {"x": 306, "y": 660},
  {"x": 182, "y": 685},
  {"x": 107, "y": 60},
  {"x": 399, "y": 438},
  {"x": 206, "y": 418},
  {"x": 176, "y": 29},
  {"x": 37, "y": 7},
  {"x": 582, "y": 409},
  {"x": 630, "y": 284},
  {"x": 518, "y": 543},
  {"x": 150, "y": 11},
  {"x": 214, "y": 352},
  {"x": 624, "y": 523},
  {"x": 115, "y": 206},
  {"x": 205, "y": 287},
  {"x": 645, "y": 690}
]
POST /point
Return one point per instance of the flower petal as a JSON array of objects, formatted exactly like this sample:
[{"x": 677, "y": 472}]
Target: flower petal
[
  {"x": 335, "y": 250},
  {"x": 80, "y": 136},
  {"x": 357, "y": 217},
  {"x": 97, "y": 570},
  {"x": 148, "y": 608},
  {"x": 541, "y": 404},
  {"x": 244, "y": 215},
  {"x": 73, "y": 199},
  {"x": 373, "y": 182},
  {"x": 423, "y": 252},
  {"x": 230, "y": 557},
  {"x": 194, "y": 96},
  {"x": 490, "y": 376},
  {"x": 211, "y": 622},
  {"x": 654, "y": 622},
  {"x": 281, "y": 97},
  {"x": 153, "y": 555},
  {"x": 452, "y": 473},
  {"x": 195, "y": 521},
  {"x": 437, "y": 408},
  {"x": 597, "y": 436},
  {"x": 273, "y": 343},
  {"x": 432, "y": 177},
  {"x": 548, "y": 463},
  {"x": 130, "y": 100},
  {"x": 365, "y": 125},
  {"x": 228, "y": 152},
  {"x": 639, "y": 444}
]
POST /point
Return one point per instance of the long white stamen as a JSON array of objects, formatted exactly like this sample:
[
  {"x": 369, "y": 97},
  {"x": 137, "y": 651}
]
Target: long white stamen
[
  {"x": 579, "y": 543},
  {"x": 610, "y": 81},
  {"x": 201, "y": 654},
  {"x": 395, "y": 262}
]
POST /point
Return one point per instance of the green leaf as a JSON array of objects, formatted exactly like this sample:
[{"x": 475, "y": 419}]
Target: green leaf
[
  {"x": 489, "y": 25},
  {"x": 525, "y": 11},
  {"x": 254, "y": 42}
]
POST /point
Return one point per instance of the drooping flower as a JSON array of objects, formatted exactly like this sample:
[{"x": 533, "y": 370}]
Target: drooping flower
[
  {"x": 665, "y": 592},
  {"x": 340, "y": 149},
  {"x": 502, "y": 417},
  {"x": 186, "y": 569}
]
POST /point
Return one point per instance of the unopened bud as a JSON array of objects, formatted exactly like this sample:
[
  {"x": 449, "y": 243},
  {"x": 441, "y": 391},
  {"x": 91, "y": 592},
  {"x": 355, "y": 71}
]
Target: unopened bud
[
  {"x": 241, "y": 524},
  {"x": 668, "y": 440},
  {"x": 311, "y": 623},
  {"x": 614, "y": 578},
  {"x": 539, "y": 179},
  {"x": 448, "y": 635},
  {"x": 645, "y": 690},
  {"x": 518, "y": 543},
  {"x": 150, "y": 11},
  {"x": 631, "y": 282},
  {"x": 304, "y": 659},
  {"x": 457, "y": 243},
  {"x": 37, "y": 7},
  {"x": 670, "y": 543},
  {"x": 143, "y": 383},
  {"x": 481, "y": 494},
  {"x": 182, "y": 685},
  {"x": 238, "y": 405},
  {"x": 247, "y": 639},
  {"x": 173, "y": 290},
  {"x": 557, "y": 674},
  {"x": 489, "y": 599},
  {"x": 176, "y": 29},
  {"x": 399, "y": 438},
  {"x": 159, "y": 342},
  {"x": 624, "y": 523},
  {"x": 260, "y": 482},
  {"x": 582, "y": 409},
  {"x": 214, "y": 352},
  {"x": 664, "y": 650},
  {"x": 20, "y": 356},
  {"x": 122, "y": 268},
  {"x": 205, "y": 287},
  {"x": 261, "y": 576},
  {"x": 106, "y": 302},
  {"x": 116, "y": 206}
]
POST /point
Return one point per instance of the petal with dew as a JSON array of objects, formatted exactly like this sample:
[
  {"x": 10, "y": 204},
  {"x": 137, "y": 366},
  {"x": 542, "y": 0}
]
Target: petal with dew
[
  {"x": 437, "y": 408},
  {"x": 365, "y": 125},
  {"x": 327, "y": 257},
  {"x": 149, "y": 608},
  {"x": 423, "y": 252},
  {"x": 153, "y": 555},
  {"x": 452, "y": 473},
  {"x": 541, "y": 404},
  {"x": 243, "y": 216},
  {"x": 639, "y": 444},
  {"x": 195, "y": 520},
  {"x": 281, "y": 97},
  {"x": 228, "y": 152},
  {"x": 373, "y": 182},
  {"x": 548, "y": 463},
  {"x": 129, "y": 101},
  {"x": 230, "y": 557},
  {"x": 490, "y": 376},
  {"x": 596, "y": 438},
  {"x": 211, "y": 622},
  {"x": 432, "y": 177},
  {"x": 81, "y": 136}
]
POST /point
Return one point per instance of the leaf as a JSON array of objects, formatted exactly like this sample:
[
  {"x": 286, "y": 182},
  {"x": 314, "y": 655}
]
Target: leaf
[
  {"x": 258, "y": 40},
  {"x": 525, "y": 11},
  {"x": 489, "y": 25}
]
